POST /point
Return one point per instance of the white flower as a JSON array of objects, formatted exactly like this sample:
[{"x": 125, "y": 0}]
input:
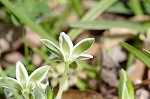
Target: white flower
[
  {"x": 25, "y": 84},
  {"x": 67, "y": 52}
]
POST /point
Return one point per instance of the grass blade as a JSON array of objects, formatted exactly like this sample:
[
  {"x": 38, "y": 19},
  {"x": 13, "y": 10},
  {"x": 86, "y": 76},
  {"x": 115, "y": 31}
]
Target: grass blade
[
  {"x": 130, "y": 60},
  {"x": 137, "y": 53},
  {"x": 146, "y": 52},
  {"x": 120, "y": 8},
  {"x": 125, "y": 87},
  {"x": 77, "y": 6},
  {"x": 91, "y": 15},
  {"x": 136, "y": 7},
  {"x": 107, "y": 24},
  {"x": 26, "y": 20}
]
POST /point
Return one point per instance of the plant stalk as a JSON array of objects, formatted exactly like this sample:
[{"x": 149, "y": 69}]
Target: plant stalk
[
  {"x": 26, "y": 96},
  {"x": 62, "y": 83}
]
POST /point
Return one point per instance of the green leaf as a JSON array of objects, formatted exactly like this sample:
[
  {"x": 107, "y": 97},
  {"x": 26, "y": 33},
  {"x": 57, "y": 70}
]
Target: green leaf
[
  {"x": 26, "y": 20},
  {"x": 140, "y": 55},
  {"x": 8, "y": 93},
  {"x": 119, "y": 8},
  {"x": 21, "y": 74},
  {"x": 130, "y": 60},
  {"x": 14, "y": 20},
  {"x": 107, "y": 24},
  {"x": 89, "y": 70},
  {"x": 65, "y": 44},
  {"x": 81, "y": 47},
  {"x": 10, "y": 71},
  {"x": 135, "y": 6},
  {"x": 49, "y": 93},
  {"x": 84, "y": 57},
  {"x": 82, "y": 85},
  {"x": 92, "y": 14},
  {"x": 13, "y": 82},
  {"x": 126, "y": 90},
  {"x": 53, "y": 48},
  {"x": 146, "y": 52},
  {"x": 31, "y": 96},
  {"x": 39, "y": 93},
  {"x": 77, "y": 5},
  {"x": 37, "y": 76},
  {"x": 73, "y": 65}
]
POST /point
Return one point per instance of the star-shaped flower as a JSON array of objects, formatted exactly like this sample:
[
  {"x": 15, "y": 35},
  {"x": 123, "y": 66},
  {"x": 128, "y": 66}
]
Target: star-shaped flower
[
  {"x": 67, "y": 52},
  {"x": 26, "y": 85}
]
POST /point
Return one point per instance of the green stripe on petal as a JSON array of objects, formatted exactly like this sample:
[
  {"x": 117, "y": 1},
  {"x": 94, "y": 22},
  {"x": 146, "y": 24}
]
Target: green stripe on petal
[
  {"x": 53, "y": 48},
  {"x": 84, "y": 57},
  {"x": 21, "y": 74},
  {"x": 81, "y": 47},
  {"x": 38, "y": 75},
  {"x": 65, "y": 44},
  {"x": 12, "y": 81}
]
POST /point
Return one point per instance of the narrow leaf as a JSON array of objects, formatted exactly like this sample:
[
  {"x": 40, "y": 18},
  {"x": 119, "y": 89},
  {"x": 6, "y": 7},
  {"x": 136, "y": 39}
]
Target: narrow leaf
[
  {"x": 137, "y": 53},
  {"x": 53, "y": 48},
  {"x": 135, "y": 6},
  {"x": 65, "y": 44},
  {"x": 119, "y": 8},
  {"x": 125, "y": 87},
  {"x": 82, "y": 47},
  {"x": 49, "y": 93},
  {"x": 146, "y": 52},
  {"x": 77, "y": 5},
  {"x": 26, "y": 20},
  {"x": 92, "y": 14},
  {"x": 84, "y": 57},
  {"x": 82, "y": 85},
  {"x": 13, "y": 82},
  {"x": 107, "y": 24},
  {"x": 73, "y": 65},
  {"x": 21, "y": 74},
  {"x": 38, "y": 75},
  {"x": 130, "y": 60}
]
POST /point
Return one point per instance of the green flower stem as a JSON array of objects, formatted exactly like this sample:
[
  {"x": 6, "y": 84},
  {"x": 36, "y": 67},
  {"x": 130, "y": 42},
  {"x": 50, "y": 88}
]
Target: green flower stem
[
  {"x": 62, "y": 83},
  {"x": 26, "y": 94}
]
